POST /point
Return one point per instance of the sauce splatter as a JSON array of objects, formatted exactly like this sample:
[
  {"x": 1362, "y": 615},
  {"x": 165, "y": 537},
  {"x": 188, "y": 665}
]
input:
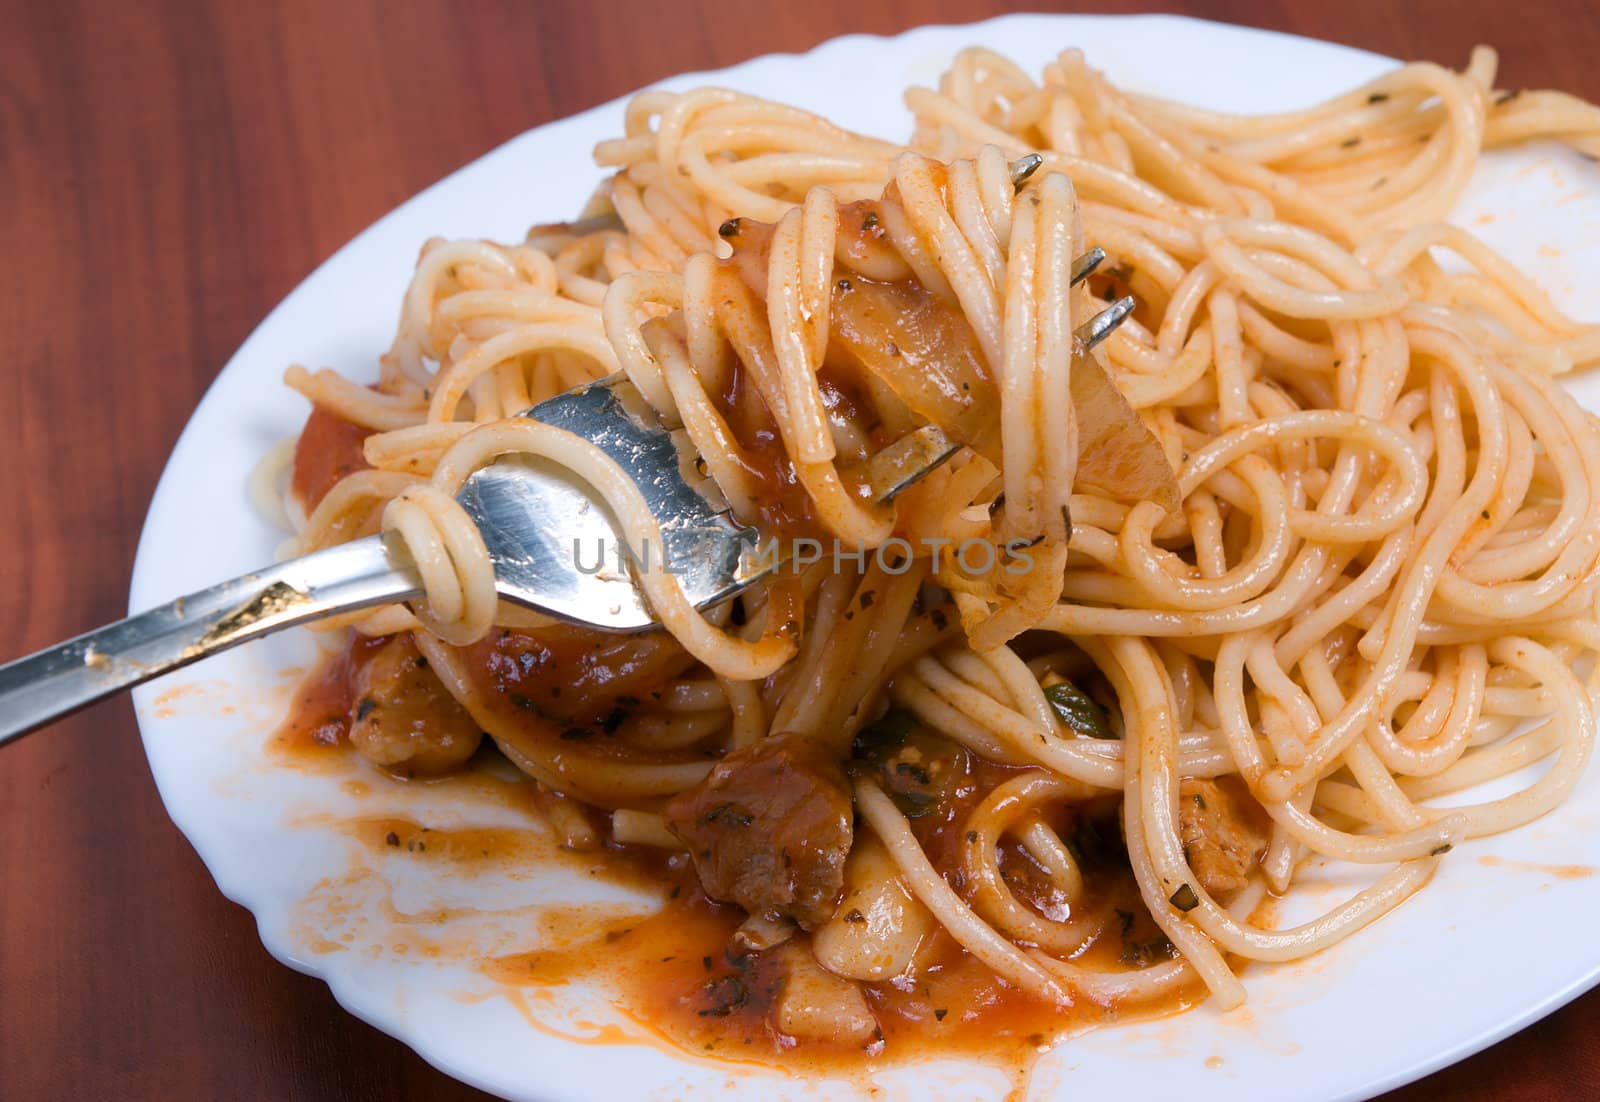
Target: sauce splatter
[{"x": 1560, "y": 872}]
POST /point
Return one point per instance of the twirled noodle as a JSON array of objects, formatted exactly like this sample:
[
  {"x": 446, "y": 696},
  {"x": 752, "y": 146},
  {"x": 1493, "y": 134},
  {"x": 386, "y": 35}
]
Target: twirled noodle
[{"x": 1381, "y": 567}]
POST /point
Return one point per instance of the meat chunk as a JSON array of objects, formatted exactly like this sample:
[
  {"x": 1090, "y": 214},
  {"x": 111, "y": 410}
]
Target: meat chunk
[
  {"x": 1220, "y": 838},
  {"x": 769, "y": 829},
  {"x": 401, "y": 716}
]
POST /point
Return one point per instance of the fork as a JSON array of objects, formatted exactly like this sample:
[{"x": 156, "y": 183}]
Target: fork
[{"x": 533, "y": 515}]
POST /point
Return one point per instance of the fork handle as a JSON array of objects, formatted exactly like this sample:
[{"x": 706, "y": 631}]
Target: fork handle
[{"x": 61, "y": 679}]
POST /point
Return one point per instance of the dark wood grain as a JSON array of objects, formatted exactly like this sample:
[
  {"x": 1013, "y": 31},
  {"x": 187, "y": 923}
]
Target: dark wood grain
[{"x": 168, "y": 171}]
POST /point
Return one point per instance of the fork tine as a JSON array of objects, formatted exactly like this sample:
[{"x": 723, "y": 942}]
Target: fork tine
[
  {"x": 911, "y": 458},
  {"x": 907, "y": 461},
  {"x": 1084, "y": 266},
  {"x": 1024, "y": 167},
  {"x": 1101, "y": 326},
  {"x": 1022, "y": 170}
]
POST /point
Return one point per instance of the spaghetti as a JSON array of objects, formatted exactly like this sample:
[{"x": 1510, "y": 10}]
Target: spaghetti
[{"x": 1311, "y": 541}]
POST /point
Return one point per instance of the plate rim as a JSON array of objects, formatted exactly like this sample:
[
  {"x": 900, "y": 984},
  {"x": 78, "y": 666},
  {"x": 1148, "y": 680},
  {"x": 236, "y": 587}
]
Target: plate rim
[{"x": 386, "y": 1018}]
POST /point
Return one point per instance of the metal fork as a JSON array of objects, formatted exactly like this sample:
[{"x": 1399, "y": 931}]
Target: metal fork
[{"x": 536, "y": 519}]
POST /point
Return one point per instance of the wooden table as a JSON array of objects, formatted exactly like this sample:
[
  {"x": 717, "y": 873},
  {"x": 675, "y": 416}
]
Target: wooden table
[{"x": 168, "y": 172}]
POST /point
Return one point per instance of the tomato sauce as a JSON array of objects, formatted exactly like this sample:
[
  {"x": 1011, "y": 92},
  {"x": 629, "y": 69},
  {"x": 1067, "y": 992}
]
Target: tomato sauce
[
  {"x": 329, "y": 448},
  {"x": 674, "y": 973},
  {"x": 318, "y": 728}
]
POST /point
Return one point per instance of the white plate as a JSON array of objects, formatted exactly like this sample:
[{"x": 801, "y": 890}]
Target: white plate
[{"x": 1504, "y": 934}]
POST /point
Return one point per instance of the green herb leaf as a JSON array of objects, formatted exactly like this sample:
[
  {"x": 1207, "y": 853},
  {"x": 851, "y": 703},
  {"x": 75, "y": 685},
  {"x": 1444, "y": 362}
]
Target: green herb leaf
[
  {"x": 526, "y": 703},
  {"x": 1145, "y": 953},
  {"x": 1080, "y": 713},
  {"x": 725, "y": 995},
  {"x": 911, "y": 769},
  {"x": 1090, "y": 844},
  {"x": 915, "y": 804},
  {"x": 883, "y": 736},
  {"x": 730, "y": 814}
]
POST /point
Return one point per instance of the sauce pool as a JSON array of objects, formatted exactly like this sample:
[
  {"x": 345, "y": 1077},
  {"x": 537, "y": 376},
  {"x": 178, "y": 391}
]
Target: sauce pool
[{"x": 672, "y": 974}]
